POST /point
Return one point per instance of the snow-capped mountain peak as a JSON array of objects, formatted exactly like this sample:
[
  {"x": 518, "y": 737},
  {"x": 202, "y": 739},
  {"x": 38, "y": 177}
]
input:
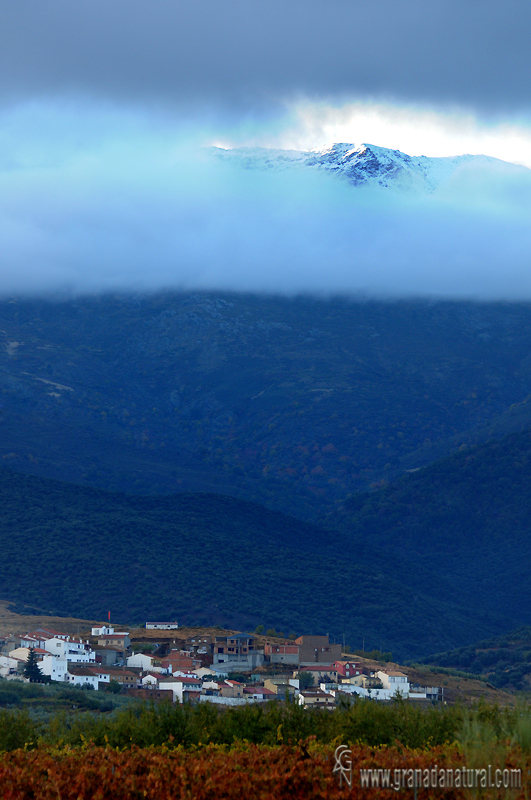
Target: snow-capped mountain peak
[{"x": 363, "y": 164}]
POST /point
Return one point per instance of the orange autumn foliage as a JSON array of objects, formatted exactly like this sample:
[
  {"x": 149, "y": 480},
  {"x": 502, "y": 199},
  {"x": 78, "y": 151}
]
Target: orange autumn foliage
[{"x": 297, "y": 772}]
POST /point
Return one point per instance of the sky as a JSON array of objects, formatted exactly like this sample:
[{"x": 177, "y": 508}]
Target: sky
[{"x": 105, "y": 107}]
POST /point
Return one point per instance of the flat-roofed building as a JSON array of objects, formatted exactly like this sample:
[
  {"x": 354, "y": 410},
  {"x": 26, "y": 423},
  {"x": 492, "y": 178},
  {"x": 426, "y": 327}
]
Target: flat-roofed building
[
  {"x": 317, "y": 649},
  {"x": 287, "y": 653},
  {"x": 238, "y": 652}
]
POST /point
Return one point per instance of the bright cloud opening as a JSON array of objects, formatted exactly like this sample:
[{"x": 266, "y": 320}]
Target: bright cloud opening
[{"x": 411, "y": 129}]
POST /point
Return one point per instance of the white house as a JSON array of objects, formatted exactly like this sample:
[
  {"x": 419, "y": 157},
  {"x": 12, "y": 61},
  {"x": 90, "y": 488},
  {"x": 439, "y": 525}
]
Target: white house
[
  {"x": 71, "y": 649},
  {"x": 181, "y": 673},
  {"x": 66, "y": 652},
  {"x": 104, "y": 630},
  {"x": 80, "y": 676},
  {"x": 145, "y": 662},
  {"x": 93, "y": 675},
  {"x": 55, "y": 666},
  {"x": 210, "y": 687},
  {"x": 104, "y": 675},
  {"x": 394, "y": 681},
  {"x": 8, "y": 666},
  {"x": 162, "y": 626},
  {"x": 183, "y": 688},
  {"x": 31, "y": 640},
  {"x": 150, "y": 680}
]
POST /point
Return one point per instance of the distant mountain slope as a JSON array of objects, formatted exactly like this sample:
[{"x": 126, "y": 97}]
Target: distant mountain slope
[
  {"x": 467, "y": 516},
  {"x": 363, "y": 165},
  {"x": 209, "y": 559},
  {"x": 517, "y": 418},
  {"x": 504, "y": 660},
  {"x": 290, "y": 402}
]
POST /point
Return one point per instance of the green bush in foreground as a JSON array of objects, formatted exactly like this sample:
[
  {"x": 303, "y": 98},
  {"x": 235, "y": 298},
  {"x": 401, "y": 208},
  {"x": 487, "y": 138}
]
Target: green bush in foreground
[
  {"x": 146, "y": 724},
  {"x": 365, "y": 721},
  {"x": 18, "y": 730}
]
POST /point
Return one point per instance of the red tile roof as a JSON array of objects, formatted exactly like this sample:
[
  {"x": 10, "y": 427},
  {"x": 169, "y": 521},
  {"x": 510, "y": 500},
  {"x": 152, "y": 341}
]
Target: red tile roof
[
  {"x": 80, "y": 671},
  {"x": 122, "y": 671}
]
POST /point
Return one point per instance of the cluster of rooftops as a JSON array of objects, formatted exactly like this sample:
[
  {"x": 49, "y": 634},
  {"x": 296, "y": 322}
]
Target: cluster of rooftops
[{"x": 230, "y": 669}]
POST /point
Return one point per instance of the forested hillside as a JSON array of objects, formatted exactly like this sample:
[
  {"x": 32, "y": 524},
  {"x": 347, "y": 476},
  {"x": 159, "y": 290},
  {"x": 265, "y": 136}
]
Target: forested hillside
[
  {"x": 467, "y": 516},
  {"x": 290, "y": 402},
  {"x": 504, "y": 660},
  {"x": 244, "y": 405},
  {"x": 209, "y": 559}
]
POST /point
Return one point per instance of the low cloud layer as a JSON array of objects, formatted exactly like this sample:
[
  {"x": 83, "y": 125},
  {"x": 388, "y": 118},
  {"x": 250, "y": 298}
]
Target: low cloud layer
[{"x": 105, "y": 202}]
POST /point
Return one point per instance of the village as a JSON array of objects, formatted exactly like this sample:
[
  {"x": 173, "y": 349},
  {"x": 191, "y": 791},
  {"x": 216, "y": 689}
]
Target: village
[{"x": 228, "y": 670}]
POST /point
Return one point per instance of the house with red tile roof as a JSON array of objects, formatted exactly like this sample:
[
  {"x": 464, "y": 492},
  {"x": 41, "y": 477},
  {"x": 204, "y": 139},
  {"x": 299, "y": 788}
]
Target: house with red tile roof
[
  {"x": 39, "y": 637},
  {"x": 116, "y": 639},
  {"x": 127, "y": 678},
  {"x": 80, "y": 676},
  {"x": 259, "y": 693},
  {"x": 177, "y": 660},
  {"x": 347, "y": 669}
]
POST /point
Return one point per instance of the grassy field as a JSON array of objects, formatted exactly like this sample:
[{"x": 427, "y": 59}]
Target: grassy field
[{"x": 17, "y": 623}]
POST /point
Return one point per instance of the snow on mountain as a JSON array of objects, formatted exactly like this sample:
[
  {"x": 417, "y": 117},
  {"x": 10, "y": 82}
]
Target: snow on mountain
[{"x": 364, "y": 164}]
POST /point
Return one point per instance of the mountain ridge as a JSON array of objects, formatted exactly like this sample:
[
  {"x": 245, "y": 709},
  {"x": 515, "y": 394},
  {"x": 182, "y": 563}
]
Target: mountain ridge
[{"x": 363, "y": 164}]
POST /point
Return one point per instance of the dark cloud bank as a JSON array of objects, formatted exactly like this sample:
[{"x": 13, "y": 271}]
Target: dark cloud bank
[{"x": 254, "y": 53}]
